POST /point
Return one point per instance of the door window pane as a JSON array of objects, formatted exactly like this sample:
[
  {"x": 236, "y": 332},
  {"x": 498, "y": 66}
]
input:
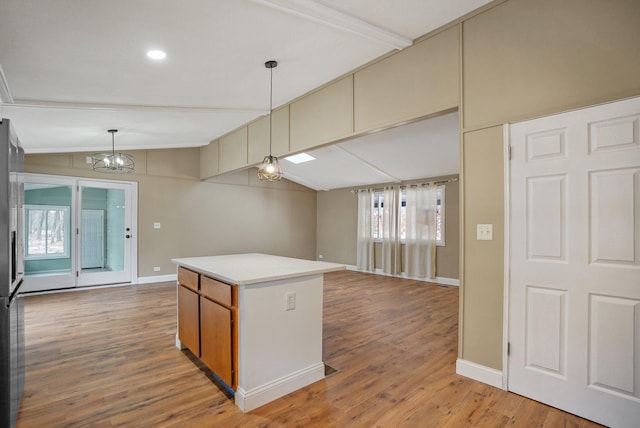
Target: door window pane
[
  {"x": 47, "y": 231},
  {"x": 103, "y": 229}
]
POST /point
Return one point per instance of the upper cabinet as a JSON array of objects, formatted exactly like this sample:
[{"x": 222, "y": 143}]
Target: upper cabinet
[
  {"x": 183, "y": 163},
  {"x": 323, "y": 116},
  {"x": 258, "y": 146},
  {"x": 209, "y": 160},
  {"x": 420, "y": 80},
  {"x": 232, "y": 153}
]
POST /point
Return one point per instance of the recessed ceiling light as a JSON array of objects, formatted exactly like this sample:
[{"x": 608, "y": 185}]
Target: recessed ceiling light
[
  {"x": 156, "y": 54},
  {"x": 300, "y": 158}
]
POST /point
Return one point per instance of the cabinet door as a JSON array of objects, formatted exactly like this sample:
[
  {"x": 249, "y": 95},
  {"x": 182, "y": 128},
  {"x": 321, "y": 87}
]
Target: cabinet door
[
  {"x": 188, "y": 315},
  {"x": 216, "y": 338}
]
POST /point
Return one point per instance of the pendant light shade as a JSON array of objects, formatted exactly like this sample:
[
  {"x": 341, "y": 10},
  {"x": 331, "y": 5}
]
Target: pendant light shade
[
  {"x": 270, "y": 169},
  {"x": 113, "y": 163}
]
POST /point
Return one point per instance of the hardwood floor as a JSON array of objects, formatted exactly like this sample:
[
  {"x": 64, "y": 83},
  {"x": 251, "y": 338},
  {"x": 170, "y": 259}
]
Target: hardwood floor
[{"x": 105, "y": 358}]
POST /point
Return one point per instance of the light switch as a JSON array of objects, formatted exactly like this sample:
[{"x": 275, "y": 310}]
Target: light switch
[
  {"x": 156, "y": 225},
  {"x": 485, "y": 232}
]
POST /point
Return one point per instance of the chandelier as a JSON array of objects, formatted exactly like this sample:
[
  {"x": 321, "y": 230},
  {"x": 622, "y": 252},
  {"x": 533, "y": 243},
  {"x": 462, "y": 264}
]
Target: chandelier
[
  {"x": 114, "y": 163},
  {"x": 270, "y": 169}
]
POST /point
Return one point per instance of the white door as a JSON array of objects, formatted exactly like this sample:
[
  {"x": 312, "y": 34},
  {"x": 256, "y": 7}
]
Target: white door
[
  {"x": 574, "y": 296},
  {"x": 92, "y": 239},
  {"x": 115, "y": 200}
]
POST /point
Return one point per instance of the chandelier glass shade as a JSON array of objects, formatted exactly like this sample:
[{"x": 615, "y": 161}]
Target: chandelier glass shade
[
  {"x": 114, "y": 163},
  {"x": 270, "y": 169}
]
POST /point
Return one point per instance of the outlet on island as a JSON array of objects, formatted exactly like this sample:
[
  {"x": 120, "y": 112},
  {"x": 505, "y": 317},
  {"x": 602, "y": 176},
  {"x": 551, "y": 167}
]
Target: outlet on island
[{"x": 290, "y": 301}]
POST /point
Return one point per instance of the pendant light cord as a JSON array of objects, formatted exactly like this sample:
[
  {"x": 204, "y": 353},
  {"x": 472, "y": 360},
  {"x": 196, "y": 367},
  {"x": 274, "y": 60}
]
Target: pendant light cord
[
  {"x": 113, "y": 141},
  {"x": 270, "y": 110}
]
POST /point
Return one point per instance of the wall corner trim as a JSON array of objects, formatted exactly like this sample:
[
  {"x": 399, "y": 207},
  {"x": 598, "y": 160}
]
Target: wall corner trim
[
  {"x": 479, "y": 372},
  {"x": 157, "y": 278}
]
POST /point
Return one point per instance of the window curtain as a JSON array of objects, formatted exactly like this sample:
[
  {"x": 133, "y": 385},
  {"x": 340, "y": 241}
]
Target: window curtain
[
  {"x": 391, "y": 231},
  {"x": 420, "y": 243},
  {"x": 364, "y": 260}
]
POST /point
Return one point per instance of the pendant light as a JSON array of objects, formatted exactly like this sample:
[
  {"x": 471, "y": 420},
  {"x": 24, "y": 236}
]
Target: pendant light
[
  {"x": 270, "y": 169},
  {"x": 120, "y": 163}
]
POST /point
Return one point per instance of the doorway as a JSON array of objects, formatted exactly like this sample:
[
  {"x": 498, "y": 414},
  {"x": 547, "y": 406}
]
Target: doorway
[
  {"x": 79, "y": 232},
  {"x": 574, "y": 262}
]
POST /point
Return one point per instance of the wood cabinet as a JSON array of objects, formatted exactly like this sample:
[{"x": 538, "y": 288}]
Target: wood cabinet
[
  {"x": 188, "y": 319},
  {"x": 189, "y": 309},
  {"x": 215, "y": 333},
  {"x": 207, "y": 314}
]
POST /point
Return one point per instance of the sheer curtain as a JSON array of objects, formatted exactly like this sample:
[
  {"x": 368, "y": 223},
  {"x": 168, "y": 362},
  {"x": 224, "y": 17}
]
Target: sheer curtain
[
  {"x": 365, "y": 259},
  {"x": 420, "y": 243},
  {"x": 391, "y": 231}
]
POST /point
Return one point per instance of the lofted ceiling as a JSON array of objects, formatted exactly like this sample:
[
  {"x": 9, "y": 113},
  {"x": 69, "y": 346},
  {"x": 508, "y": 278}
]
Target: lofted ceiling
[
  {"x": 428, "y": 148},
  {"x": 71, "y": 69}
]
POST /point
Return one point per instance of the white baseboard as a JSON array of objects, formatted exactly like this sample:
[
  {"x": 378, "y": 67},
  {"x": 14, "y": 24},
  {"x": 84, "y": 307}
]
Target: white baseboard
[
  {"x": 256, "y": 397},
  {"x": 158, "y": 278},
  {"x": 447, "y": 281},
  {"x": 437, "y": 280},
  {"x": 479, "y": 372}
]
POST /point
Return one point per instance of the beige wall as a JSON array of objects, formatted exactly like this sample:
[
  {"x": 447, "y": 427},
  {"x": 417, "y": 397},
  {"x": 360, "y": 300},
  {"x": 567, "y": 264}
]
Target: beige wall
[
  {"x": 235, "y": 214},
  {"x": 336, "y": 232},
  {"x": 338, "y": 221},
  {"x": 483, "y": 268},
  {"x": 523, "y": 59}
]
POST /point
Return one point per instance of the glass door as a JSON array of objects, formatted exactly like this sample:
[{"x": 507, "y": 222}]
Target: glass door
[
  {"x": 104, "y": 238},
  {"x": 48, "y": 226},
  {"x": 78, "y": 232}
]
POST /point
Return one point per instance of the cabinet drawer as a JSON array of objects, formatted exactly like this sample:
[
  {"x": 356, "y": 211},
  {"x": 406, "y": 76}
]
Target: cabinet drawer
[
  {"x": 188, "y": 278},
  {"x": 216, "y": 290}
]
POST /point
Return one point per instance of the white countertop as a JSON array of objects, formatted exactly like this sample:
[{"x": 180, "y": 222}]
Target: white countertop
[{"x": 245, "y": 269}]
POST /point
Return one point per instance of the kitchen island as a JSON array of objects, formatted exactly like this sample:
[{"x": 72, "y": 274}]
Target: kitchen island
[{"x": 255, "y": 320}]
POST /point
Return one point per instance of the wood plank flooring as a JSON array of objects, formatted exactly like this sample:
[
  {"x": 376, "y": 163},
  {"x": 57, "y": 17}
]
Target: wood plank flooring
[{"x": 106, "y": 358}]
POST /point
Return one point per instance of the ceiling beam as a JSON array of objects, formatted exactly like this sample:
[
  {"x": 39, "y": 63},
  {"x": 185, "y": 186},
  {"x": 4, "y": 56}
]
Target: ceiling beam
[
  {"x": 313, "y": 11},
  {"x": 39, "y": 104}
]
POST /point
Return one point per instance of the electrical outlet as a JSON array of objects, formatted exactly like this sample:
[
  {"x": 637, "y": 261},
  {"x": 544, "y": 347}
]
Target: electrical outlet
[
  {"x": 290, "y": 301},
  {"x": 156, "y": 225},
  {"x": 156, "y": 268},
  {"x": 321, "y": 257}
]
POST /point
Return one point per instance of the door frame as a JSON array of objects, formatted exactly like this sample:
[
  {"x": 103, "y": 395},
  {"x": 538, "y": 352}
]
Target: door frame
[
  {"x": 131, "y": 261},
  {"x": 507, "y": 255},
  {"x": 507, "y": 227},
  {"x": 76, "y": 221}
]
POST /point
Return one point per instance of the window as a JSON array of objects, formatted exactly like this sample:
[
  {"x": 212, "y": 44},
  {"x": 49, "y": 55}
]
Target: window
[
  {"x": 376, "y": 212},
  {"x": 47, "y": 231}
]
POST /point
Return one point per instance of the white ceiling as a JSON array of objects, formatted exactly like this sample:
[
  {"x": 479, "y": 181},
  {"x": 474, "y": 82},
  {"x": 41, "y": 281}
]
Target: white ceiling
[
  {"x": 428, "y": 148},
  {"x": 71, "y": 69}
]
